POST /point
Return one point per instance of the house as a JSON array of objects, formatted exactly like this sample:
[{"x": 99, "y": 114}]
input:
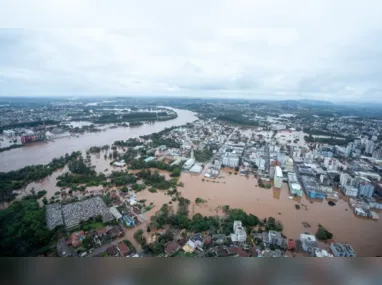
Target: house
[
  {"x": 121, "y": 163},
  {"x": 317, "y": 252},
  {"x": 342, "y": 250},
  {"x": 239, "y": 234},
  {"x": 117, "y": 215},
  {"x": 123, "y": 249},
  {"x": 253, "y": 251},
  {"x": 196, "y": 242},
  {"x": 275, "y": 238},
  {"x": 308, "y": 242},
  {"x": 115, "y": 232},
  {"x": 219, "y": 239},
  {"x": 171, "y": 248},
  {"x": 76, "y": 238},
  {"x": 129, "y": 221},
  {"x": 291, "y": 244},
  {"x": 102, "y": 232},
  {"x": 271, "y": 253},
  {"x": 112, "y": 251},
  {"x": 63, "y": 250}
]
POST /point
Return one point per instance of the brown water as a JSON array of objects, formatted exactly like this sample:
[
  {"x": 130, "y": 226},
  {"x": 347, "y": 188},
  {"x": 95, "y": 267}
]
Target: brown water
[
  {"x": 240, "y": 192},
  {"x": 43, "y": 153}
]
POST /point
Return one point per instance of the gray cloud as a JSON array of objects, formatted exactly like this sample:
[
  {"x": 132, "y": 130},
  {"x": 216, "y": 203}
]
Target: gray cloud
[{"x": 180, "y": 50}]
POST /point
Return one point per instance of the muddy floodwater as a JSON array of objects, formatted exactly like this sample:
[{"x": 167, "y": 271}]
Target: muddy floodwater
[
  {"x": 43, "y": 153},
  {"x": 241, "y": 192}
]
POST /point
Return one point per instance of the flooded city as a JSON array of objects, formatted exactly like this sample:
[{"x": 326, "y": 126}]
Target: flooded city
[{"x": 44, "y": 152}]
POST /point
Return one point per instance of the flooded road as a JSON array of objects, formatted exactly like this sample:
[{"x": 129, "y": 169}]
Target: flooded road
[{"x": 43, "y": 153}]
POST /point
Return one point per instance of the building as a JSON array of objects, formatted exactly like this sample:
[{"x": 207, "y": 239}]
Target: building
[
  {"x": 120, "y": 163},
  {"x": 150, "y": 158},
  {"x": 312, "y": 188},
  {"x": 346, "y": 179},
  {"x": 294, "y": 186},
  {"x": 116, "y": 214},
  {"x": 189, "y": 163},
  {"x": 289, "y": 164},
  {"x": 369, "y": 148},
  {"x": 342, "y": 250},
  {"x": 278, "y": 177},
  {"x": 33, "y": 138},
  {"x": 239, "y": 234},
  {"x": 281, "y": 157},
  {"x": 275, "y": 238},
  {"x": 9, "y": 133},
  {"x": 129, "y": 221},
  {"x": 308, "y": 242},
  {"x": 365, "y": 187},
  {"x": 196, "y": 168},
  {"x": 317, "y": 252},
  {"x": 196, "y": 242},
  {"x": 231, "y": 160},
  {"x": 350, "y": 191}
]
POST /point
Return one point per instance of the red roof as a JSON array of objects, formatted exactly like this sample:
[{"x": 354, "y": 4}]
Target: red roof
[
  {"x": 123, "y": 248},
  {"x": 291, "y": 244},
  {"x": 171, "y": 247},
  {"x": 101, "y": 231}
]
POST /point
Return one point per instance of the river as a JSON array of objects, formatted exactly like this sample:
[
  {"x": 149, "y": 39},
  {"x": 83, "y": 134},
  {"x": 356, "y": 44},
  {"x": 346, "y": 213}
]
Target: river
[{"x": 43, "y": 153}]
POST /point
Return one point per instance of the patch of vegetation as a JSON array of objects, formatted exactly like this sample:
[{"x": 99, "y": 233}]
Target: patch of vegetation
[
  {"x": 18, "y": 179},
  {"x": 138, "y": 235},
  {"x": 323, "y": 234},
  {"x": 23, "y": 228},
  {"x": 203, "y": 155},
  {"x": 154, "y": 179},
  {"x": 131, "y": 247},
  {"x": 200, "y": 201},
  {"x": 152, "y": 190}
]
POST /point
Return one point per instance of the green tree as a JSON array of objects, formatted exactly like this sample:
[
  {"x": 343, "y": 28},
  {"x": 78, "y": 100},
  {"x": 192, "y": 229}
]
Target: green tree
[
  {"x": 175, "y": 172},
  {"x": 88, "y": 242}
]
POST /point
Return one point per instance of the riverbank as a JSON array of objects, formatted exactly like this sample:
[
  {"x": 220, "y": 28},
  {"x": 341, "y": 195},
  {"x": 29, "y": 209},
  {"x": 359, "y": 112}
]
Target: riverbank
[{"x": 43, "y": 153}]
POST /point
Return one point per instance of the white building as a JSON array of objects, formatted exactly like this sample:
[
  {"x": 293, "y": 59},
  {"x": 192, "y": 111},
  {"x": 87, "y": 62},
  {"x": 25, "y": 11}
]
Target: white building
[
  {"x": 196, "y": 168},
  {"x": 308, "y": 242},
  {"x": 239, "y": 234},
  {"x": 350, "y": 191},
  {"x": 231, "y": 161},
  {"x": 278, "y": 127},
  {"x": 294, "y": 186},
  {"x": 9, "y": 133},
  {"x": 317, "y": 252},
  {"x": 346, "y": 179},
  {"x": 114, "y": 211},
  {"x": 120, "y": 163},
  {"x": 189, "y": 163},
  {"x": 278, "y": 177},
  {"x": 289, "y": 164}
]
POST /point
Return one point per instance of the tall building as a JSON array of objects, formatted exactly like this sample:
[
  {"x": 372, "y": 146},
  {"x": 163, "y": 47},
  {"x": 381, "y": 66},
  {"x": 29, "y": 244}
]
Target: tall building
[
  {"x": 364, "y": 185},
  {"x": 349, "y": 149},
  {"x": 369, "y": 149},
  {"x": 294, "y": 186},
  {"x": 231, "y": 161},
  {"x": 289, "y": 164},
  {"x": 278, "y": 177}
]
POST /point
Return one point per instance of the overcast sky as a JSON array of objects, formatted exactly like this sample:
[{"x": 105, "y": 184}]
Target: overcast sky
[{"x": 329, "y": 50}]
